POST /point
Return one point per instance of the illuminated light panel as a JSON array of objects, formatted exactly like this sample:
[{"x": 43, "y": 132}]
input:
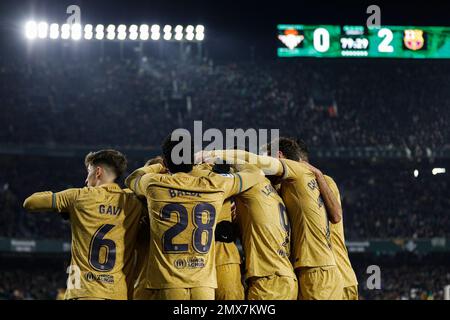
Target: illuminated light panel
[
  {"x": 42, "y": 30},
  {"x": 31, "y": 30},
  {"x": 54, "y": 31}
]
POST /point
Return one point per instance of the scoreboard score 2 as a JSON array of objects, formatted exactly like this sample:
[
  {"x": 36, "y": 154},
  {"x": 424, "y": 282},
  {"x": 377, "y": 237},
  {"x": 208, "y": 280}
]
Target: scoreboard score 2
[{"x": 332, "y": 41}]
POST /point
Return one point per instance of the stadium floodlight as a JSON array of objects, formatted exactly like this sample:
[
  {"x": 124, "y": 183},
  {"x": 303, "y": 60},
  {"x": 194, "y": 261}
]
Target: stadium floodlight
[
  {"x": 65, "y": 31},
  {"x": 111, "y": 32},
  {"x": 178, "y": 36},
  {"x": 189, "y": 29},
  {"x": 200, "y": 29},
  {"x": 122, "y": 32},
  {"x": 200, "y": 36},
  {"x": 178, "y": 29},
  {"x": 155, "y": 35},
  {"x": 42, "y": 30},
  {"x": 155, "y": 28},
  {"x": 54, "y": 31},
  {"x": 88, "y": 31},
  {"x": 155, "y": 32},
  {"x": 436, "y": 171},
  {"x": 144, "y": 35},
  {"x": 179, "y": 32},
  {"x": 167, "y": 28},
  {"x": 31, "y": 30},
  {"x": 133, "y": 32},
  {"x": 76, "y": 31},
  {"x": 416, "y": 173},
  {"x": 167, "y": 32},
  {"x": 190, "y": 36},
  {"x": 99, "y": 32},
  {"x": 190, "y": 33},
  {"x": 144, "y": 28}
]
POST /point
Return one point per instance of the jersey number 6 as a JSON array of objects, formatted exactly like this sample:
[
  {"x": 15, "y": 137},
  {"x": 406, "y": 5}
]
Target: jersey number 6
[{"x": 99, "y": 242}]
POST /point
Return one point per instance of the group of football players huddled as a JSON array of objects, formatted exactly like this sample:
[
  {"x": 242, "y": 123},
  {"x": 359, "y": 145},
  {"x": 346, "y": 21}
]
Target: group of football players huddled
[{"x": 172, "y": 234}]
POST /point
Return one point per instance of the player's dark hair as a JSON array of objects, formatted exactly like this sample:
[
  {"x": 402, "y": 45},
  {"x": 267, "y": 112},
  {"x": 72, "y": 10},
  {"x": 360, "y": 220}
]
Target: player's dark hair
[
  {"x": 221, "y": 168},
  {"x": 110, "y": 158},
  {"x": 304, "y": 151},
  {"x": 288, "y": 146},
  {"x": 187, "y": 161}
]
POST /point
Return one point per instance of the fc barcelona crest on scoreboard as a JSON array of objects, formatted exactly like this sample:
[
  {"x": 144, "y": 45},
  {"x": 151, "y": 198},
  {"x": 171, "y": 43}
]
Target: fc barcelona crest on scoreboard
[{"x": 414, "y": 39}]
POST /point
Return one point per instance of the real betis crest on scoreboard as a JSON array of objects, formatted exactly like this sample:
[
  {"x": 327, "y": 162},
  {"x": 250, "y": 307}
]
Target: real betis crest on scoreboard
[{"x": 331, "y": 41}]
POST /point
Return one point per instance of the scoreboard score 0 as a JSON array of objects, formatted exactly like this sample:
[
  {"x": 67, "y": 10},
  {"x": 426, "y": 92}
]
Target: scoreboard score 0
[{"x": 332, "y": 41}]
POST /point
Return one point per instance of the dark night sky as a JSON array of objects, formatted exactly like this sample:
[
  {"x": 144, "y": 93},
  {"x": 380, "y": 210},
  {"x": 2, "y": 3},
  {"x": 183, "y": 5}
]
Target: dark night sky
[{"x": 231, "y": 26}]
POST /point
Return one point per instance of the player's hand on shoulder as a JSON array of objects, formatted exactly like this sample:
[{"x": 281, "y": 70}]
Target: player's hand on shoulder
[{"x": 157, "y": 160}]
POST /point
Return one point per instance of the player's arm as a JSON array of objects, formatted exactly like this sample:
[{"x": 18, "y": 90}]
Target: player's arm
[
  {"x": 139, "y": 180},
  {"x": 51, "y": 201},
  {"x": 245, "y": 177},
  {"x": 330, "y": 198},
  {"x": 269, "y": 165}
]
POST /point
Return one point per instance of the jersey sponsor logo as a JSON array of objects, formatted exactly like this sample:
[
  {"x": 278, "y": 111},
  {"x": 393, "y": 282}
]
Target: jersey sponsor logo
[
  {"x": 180, "y": 263},
  {"x": 106, "y": 278},
  {"x": 108, "y": 209},
  {"x": 190, "y": 263},
  {"x": 180, "y": 193},
  {"x": 268, "y": 189}
]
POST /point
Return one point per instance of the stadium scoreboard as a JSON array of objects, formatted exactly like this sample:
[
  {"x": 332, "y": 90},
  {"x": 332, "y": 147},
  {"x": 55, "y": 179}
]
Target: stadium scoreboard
[{"x": 333, "y": 41}]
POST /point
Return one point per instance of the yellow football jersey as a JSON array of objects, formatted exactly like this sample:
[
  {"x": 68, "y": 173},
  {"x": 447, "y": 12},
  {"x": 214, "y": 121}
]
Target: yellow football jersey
[
  {"x": 226, "y": 252},
  {"x": 338, "y": 243},
  {"x": 183, "y": 212},
  {"x": 104, "y": 222},
  {"x": 310, "y": 226},
  {"x": 142, "y": 252},
  {"x": 265, "y": 232}
]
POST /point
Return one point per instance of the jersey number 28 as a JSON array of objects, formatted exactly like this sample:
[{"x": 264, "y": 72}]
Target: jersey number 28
[{"x": 182, "y": 222}]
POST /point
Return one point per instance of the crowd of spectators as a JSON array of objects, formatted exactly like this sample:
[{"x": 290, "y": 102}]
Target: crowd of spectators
[
  {"x": 23, "y": 284},
  {"x": 380, "y": 200},
  {"x": 403, "y": 277},
  {"x": 420, "y": 278},
  {"x": 138, "y": 101}
]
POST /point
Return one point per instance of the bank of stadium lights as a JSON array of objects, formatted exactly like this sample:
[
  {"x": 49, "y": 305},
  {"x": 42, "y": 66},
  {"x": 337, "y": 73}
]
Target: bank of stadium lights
[
  {"x": 436, "y": 171},
  {"x": 143, "y": 32}
]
